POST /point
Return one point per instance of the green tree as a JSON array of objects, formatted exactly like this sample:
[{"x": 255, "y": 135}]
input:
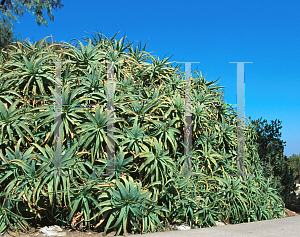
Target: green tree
[
  {"x": 294, "y": 162},
  {"x": 6, "y": 35},
  {"x": 10, "y": 10},
  {"x": 270, "y": 146},
  {"x": 270, "y": 150}
]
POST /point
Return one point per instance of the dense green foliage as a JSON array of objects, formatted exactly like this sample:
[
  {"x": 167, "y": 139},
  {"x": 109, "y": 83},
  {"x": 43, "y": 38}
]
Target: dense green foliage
[
  {"x": 148, "y": 185},
  {"x": 6, "y": 35},
  {"x": 294, "y": 162},
  {"x": 274, "y": 162}
]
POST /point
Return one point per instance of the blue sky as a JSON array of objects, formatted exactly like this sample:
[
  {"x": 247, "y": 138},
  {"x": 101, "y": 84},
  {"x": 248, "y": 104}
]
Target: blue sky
[{"x": 213, "y": 33}]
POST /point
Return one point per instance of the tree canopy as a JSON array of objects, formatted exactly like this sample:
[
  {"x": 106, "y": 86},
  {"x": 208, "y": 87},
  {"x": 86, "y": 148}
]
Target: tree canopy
[
  {"x": 294, "y": 162},
  {"x": 270, "y": 150},
  {"x": 10, "y": 10}
]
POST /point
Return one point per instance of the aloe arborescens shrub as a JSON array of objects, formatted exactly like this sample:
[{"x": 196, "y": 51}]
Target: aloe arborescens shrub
[{"x": 148, "y": 185}]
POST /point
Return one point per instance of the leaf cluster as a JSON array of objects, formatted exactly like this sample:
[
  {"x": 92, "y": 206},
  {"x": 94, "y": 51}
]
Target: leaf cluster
[
  {"x": 275, "y": 164},
  {"x": 148, "y": 186}
]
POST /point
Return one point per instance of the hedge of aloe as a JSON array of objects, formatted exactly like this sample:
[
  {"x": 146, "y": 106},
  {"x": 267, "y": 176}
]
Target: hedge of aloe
[{"x": 148, "y": 187}]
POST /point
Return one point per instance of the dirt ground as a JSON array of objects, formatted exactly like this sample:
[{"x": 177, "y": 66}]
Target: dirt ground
[
  {"x": 69, "y": 233},
  {"x": 72, "y": 233}
]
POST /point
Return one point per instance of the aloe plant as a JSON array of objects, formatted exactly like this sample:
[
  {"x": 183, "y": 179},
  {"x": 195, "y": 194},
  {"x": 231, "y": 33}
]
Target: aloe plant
[
  {"x": 129, "y": 205},
  {"x": 149, "y": 114}
]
